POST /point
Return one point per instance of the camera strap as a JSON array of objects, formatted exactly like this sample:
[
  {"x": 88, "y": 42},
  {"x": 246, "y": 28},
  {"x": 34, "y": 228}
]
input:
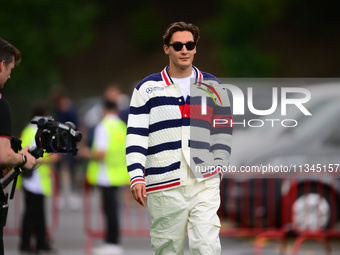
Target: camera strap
[
  {"x": 14, "y": 185},
  {"x": 3, "y": 208}
]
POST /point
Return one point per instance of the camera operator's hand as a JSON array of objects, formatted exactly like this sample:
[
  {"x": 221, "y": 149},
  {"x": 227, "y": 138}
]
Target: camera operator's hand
[{"x": 30, "y": 159}]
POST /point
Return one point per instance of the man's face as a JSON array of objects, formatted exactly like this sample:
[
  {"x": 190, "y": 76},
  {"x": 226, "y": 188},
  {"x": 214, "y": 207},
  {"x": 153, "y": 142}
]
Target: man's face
[
  {"x": 183, "y": 58},
  {"x": 5, "y": 72}
]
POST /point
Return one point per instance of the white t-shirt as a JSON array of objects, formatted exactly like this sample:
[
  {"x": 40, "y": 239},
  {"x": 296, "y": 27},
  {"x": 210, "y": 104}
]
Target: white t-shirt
[{"x": 184, "y": 84}]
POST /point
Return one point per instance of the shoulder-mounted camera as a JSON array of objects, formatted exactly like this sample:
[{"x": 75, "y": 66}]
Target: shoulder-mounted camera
[{"x": 53, "y": 136}]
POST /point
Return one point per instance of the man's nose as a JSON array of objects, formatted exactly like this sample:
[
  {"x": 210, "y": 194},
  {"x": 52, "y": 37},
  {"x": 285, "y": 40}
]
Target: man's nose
[{"x": 184, "y": 49}]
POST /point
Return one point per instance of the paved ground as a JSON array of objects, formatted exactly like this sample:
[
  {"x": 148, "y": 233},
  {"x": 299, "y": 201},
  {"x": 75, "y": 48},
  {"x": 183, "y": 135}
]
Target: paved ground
[{"x": 69, "y": 238}]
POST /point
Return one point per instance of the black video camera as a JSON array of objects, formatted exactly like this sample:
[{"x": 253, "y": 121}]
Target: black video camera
[{"x": 53, "y": 136}]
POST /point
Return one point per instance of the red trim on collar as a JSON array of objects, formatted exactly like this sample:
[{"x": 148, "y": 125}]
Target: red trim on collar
[
  {"x": 200, "y": 76},
  {"x": 165, "y": 77}
]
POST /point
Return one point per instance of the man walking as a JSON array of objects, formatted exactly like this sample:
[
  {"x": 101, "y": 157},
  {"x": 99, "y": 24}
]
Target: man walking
[{"x": 158, "y": 147}]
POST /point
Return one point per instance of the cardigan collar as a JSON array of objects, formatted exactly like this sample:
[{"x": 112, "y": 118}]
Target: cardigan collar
[{"x": 168, "y": 81}]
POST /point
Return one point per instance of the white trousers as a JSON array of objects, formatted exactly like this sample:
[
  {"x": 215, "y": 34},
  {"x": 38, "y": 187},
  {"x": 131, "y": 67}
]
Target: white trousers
[{"x": 190, "y": 209}]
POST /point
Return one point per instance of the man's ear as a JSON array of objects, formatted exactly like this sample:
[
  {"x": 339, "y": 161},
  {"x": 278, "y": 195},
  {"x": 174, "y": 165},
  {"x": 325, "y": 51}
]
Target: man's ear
[
  {"x": 166, "y": 49},
  {"x": 2, "y": 65}
]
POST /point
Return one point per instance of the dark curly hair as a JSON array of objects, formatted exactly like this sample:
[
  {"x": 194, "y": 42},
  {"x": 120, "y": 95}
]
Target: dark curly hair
[{"x": 181, "y": 26}]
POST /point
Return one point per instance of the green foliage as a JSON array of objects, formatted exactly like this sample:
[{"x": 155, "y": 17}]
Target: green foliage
[
  {"x": 235, "y": 27},
  {"x": 145, "y": 27},
  {"x": 45, "y": 32}
]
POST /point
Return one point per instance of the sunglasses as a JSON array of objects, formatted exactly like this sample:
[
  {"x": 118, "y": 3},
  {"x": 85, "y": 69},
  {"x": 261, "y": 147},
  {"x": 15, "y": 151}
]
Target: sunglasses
[{"x": 178, "y": 46}]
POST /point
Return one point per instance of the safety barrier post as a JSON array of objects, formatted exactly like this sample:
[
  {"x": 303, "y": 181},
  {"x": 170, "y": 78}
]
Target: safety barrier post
[
  {"x": 90, "y": 232},
  {"x": 270, "y": 232},
  {"x": 135, "y": 218}
]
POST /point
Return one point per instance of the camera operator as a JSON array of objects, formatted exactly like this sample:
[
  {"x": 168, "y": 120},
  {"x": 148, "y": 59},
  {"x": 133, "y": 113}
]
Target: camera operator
[{"x": 9, "y": 57}]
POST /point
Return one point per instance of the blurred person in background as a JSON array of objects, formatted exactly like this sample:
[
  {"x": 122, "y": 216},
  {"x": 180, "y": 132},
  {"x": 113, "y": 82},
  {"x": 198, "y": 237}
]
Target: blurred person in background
[
  {"x": 107, "y": 168},
  {"x": 158, "y": 154},
  {"x": 9, "y": 57},
  {"x": 65, "y": 111},
  {"x": 37, "y": 184},
  {"x": 93, "y": 115}
]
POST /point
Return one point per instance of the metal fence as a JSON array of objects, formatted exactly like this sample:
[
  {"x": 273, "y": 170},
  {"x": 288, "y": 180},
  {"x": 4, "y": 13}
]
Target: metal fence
[
  {"x": 277, "y": 209},
  {"x": 297, "y": 209}
]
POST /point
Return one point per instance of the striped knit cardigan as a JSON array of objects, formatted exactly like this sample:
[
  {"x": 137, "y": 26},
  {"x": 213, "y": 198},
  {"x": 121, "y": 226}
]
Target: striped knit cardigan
[{"x": 162, "y": 139}]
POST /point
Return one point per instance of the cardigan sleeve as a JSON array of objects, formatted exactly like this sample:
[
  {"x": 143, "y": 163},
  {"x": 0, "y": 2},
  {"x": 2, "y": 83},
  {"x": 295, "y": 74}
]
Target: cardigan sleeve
[
  {"x": 137, "y": 136},
  {"x": 221, "y": 130}
]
